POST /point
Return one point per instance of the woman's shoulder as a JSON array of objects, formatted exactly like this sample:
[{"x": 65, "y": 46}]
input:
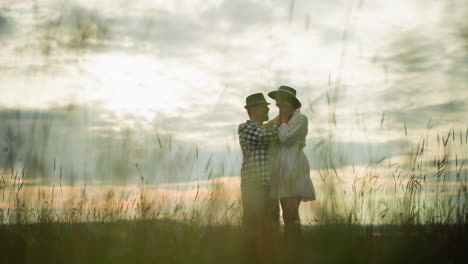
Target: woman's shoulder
[{"x": 300, "y": 117}]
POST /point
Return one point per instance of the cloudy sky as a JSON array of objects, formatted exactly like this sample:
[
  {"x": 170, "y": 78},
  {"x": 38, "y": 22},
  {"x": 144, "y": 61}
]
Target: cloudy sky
[{"x": 77, "y": 75}]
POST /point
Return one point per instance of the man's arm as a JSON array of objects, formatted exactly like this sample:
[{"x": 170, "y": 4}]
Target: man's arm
[
  {"x": 272, "y": 122},
  {"x": 258, "y": 135}
]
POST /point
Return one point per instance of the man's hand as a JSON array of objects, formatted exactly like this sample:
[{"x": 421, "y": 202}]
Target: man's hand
[{"x": 286, "y": 114}]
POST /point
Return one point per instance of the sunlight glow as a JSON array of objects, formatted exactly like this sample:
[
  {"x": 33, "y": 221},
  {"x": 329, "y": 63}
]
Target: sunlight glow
[{"x": 136, "y": 82}]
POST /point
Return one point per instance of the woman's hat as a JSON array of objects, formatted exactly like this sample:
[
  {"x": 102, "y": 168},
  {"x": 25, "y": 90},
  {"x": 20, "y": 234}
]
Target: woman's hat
[
  {"x": 288, "y": 91},
  {"x": 256, "y": 98}
]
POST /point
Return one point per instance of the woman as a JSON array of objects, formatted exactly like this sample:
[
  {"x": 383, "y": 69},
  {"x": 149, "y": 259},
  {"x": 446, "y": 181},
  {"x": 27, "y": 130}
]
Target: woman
[{"x": 291, "y": 182}]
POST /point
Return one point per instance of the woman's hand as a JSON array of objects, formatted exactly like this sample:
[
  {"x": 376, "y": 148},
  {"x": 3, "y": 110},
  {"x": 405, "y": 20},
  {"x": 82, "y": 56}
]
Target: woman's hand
[
  {"x": 286, "y": 114},
  {"x": 278, "y": 119}
]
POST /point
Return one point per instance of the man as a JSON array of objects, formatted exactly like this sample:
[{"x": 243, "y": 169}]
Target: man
[{"x": 260, "y": 212}]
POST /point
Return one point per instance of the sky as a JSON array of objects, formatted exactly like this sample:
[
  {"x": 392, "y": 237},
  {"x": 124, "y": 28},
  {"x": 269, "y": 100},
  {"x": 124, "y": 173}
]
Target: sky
[{"x": 83, "y": 80}]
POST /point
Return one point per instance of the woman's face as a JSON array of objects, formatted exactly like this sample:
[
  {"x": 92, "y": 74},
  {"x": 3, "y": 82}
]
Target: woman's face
[{"x": 284, "y": 105}]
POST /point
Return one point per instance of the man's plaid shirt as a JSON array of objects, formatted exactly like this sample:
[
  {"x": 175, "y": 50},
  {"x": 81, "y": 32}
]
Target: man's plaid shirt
[{"x": 255, "y": 141}]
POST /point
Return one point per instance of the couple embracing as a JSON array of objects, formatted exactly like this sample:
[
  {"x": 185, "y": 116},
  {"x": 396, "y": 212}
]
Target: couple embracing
[{"x": 274, "y": 166}]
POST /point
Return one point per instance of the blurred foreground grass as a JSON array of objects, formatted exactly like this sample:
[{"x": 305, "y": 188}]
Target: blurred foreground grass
[{"x": 163, "y": 241}]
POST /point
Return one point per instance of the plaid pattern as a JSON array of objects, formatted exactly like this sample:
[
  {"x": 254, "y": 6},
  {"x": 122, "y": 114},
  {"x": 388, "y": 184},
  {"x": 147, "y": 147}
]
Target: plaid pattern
[{"x": 255, "y": 141}]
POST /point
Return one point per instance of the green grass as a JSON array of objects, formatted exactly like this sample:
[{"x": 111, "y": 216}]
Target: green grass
[{"x": 164, "y": 241}]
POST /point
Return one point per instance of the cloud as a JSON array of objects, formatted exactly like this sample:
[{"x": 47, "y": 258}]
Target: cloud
[
  {"x": 33, "y": 139},
  {"x": 5, "y": 26},
  {"x": 212, "y": 122},
  {"x": 19, "y": 114},
  {"x": 77, "y": 27},
  {"x": 349, "y": 153},
  {"x": 212, "y": 30},
  {"x": 163, "y": 33},
  {"x": 169, "y": 33},
  {"x": 414, "y": 51},
  {"x": 237, "y": 16},
  {"x": 93, "y": 143},
  {"x": 437, "y": 46},
  {"x": 419, "y": 116}
]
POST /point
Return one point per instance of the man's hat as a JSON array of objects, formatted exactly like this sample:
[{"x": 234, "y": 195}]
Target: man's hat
[
  {"x": 285, "y": 90},
  {"x": 256, "y": 98}
]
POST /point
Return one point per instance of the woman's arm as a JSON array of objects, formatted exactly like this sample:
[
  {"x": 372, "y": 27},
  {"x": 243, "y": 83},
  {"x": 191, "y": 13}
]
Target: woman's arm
[{"x": 292, "y": 131}]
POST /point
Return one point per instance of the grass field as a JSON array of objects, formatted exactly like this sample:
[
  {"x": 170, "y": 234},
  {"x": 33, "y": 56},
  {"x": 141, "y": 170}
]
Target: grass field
[{"x": 412, "y": 212}]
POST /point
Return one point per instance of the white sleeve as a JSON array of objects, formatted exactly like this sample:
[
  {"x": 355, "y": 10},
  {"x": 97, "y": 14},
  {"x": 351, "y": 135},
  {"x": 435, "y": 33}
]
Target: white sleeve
[
  {"x": 292, "y": 131},
  {"x": 271, "y": 122}
]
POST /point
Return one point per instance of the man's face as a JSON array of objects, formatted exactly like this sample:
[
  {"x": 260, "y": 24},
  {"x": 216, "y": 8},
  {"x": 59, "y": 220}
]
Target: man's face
[{"x": 262, "y": 111}]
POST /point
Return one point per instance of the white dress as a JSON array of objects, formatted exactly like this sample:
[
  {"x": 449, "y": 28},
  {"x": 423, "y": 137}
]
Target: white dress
[{"x": 290, "y": 167}]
